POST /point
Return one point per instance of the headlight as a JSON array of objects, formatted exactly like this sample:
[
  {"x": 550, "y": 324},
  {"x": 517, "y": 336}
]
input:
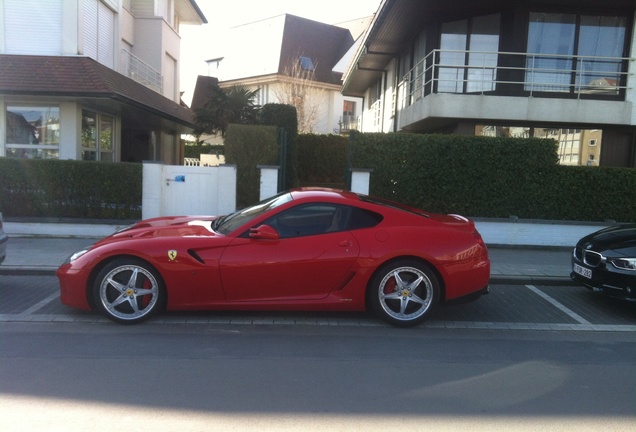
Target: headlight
[
  {"x": 76, "y": 255},
  {"x": 624, "y": 263}
]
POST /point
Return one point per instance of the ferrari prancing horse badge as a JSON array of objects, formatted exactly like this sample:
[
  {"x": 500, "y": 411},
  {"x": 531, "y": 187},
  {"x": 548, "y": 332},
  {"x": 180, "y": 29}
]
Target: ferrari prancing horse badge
[{"x": 172, "y": 254}]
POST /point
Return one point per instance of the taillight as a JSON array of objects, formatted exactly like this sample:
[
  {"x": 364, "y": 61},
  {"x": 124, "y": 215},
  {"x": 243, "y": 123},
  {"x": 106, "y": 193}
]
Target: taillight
[{"x": 479, "y": 239}]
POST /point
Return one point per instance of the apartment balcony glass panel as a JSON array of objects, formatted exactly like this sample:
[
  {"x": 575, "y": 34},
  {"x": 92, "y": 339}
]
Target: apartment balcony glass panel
[{"x": 569, "y": 53}]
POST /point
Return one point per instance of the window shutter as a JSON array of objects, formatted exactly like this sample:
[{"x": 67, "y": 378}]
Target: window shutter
[
  {"x": 106, "y": 36},
  {"x": 90, "y": 28},
  {"x": 33, "y": 27}
]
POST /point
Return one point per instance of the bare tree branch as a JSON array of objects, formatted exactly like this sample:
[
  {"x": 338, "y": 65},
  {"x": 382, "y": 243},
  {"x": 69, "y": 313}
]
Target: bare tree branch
[{"x": 298, "y": 87}]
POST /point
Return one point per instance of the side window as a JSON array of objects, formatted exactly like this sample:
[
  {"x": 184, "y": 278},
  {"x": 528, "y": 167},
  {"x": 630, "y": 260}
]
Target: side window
[
  {"x": 361, "y": 218},
  {"x": 311, "y": 219},
  {"x": 323, "y": 218}
]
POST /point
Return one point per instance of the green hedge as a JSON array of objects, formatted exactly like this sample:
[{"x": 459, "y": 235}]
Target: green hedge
[
  {"x": 248, "y": 146},
  {"x": 322, "y": 160},
  {"x": 285, "y": 117},
  {"x": 492, "y": 177},
  {"x": 70, "y": 189},
  {"x": 474, "y": 176}
]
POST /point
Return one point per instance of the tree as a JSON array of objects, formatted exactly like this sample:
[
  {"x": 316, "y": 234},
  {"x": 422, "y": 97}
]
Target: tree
[
  {"x": 236, "y": 105},
  {"x": 298, "y": 87}
]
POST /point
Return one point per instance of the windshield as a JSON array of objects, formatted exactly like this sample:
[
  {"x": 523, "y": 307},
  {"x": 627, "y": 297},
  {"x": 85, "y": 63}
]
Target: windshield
[{"x": 227, "y": 224}]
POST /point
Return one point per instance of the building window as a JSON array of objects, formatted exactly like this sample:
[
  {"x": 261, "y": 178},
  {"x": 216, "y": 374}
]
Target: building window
[
  {"x": 306, "y": 63},
  {"x": 349, "y": 120},
  {"x": 470, "y": 48},
  {"x": 570, "y": 53},
  {"x": 33, "y": 132},
  {"x": 570, "y": 150},
  {"x": 97, "y": 136}
]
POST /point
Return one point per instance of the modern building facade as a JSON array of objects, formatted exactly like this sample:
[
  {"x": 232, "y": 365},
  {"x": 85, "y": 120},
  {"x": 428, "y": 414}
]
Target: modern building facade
[
  {"x": 563, "y": 69},
  {"x": 296, "y": 61},
  {"x": 93, "y": 79}
]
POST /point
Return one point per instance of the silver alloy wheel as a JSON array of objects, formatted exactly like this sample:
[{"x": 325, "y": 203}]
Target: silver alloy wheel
[
  {"x": 406, "y": 294},
  {"x": 128, "y": 293}
]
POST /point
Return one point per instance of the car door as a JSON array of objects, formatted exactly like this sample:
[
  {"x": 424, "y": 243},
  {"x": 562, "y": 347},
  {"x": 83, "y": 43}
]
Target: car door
[{"x": 311, "y": 258}]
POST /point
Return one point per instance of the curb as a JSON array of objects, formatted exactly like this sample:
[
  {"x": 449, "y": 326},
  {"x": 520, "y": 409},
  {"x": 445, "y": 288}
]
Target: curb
[{"x": 27, "y": 271}]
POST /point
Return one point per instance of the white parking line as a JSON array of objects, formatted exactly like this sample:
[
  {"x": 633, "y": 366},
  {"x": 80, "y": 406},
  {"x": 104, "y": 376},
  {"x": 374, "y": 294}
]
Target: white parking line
[
  {"x": 40, "y": 304},
  {"x": 558, "y": 305}
]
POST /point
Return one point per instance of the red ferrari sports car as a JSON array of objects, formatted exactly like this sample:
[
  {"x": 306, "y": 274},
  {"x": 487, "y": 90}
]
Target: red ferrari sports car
[{"x": 306, "y": 249}]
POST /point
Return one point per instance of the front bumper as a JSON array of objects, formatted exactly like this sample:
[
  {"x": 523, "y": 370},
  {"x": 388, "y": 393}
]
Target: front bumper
[
  {"x": 73, "y": 287},
  {"x": 607, "y": 280}
]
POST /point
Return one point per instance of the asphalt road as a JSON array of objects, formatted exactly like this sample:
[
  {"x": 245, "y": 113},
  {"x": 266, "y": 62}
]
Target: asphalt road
[
  {"x": 71, "y": 377},
  {"x": 522, "y": 358}
]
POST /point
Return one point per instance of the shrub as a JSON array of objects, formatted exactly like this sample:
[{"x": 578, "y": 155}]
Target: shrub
[
  {"x": 285, "y": 117},
  {"x": 70, "y": 189},
  {"x": 322, "y": 160},
  {"x": 491, "y": 177},
  {"x": 247, "y": 147}
]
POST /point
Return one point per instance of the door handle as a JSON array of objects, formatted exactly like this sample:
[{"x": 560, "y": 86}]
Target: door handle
[{"x": 345, "y": 243}]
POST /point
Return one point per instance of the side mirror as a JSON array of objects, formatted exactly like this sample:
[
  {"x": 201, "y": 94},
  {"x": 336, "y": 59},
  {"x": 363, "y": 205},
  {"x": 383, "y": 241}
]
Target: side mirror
[{"x": 264, "y": 232}]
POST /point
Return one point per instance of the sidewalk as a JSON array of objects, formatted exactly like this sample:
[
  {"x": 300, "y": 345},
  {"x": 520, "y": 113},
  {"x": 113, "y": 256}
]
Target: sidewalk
[{"x": 509, "y": 265}]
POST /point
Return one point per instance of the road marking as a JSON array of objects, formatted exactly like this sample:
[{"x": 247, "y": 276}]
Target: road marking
[
  {"x": 40, "y": 304},
  {"x": 558, "y": 305}
]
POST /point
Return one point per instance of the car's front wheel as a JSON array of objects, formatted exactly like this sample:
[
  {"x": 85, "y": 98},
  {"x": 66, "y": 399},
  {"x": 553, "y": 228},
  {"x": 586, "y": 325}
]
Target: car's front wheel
[
  {"x": 405, "y": 293},
  {"x": 128, "y": 290}
]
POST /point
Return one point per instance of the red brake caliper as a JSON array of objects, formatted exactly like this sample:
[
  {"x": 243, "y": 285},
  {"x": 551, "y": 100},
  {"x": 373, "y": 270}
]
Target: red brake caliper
[
  {"x": 145, "y": 300},
  {"x": 390, "y": 286}
]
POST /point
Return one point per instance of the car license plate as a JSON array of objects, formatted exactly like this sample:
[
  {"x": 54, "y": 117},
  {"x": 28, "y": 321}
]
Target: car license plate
[{"x": 585, "y": 272}]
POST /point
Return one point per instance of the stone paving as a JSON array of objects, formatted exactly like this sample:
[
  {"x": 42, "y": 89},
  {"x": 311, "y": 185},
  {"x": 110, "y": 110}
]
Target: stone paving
[{"x": 35, "y": 298}]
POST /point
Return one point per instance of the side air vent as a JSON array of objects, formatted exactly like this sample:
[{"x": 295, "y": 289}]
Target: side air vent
[{"x": 196, "y": 256}]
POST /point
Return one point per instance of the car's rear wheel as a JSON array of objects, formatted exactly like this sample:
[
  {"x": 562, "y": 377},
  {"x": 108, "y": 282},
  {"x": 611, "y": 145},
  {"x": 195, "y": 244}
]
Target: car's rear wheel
[
  {"x": 405, "y": 293},
  {"x": 128, "y": 290}
]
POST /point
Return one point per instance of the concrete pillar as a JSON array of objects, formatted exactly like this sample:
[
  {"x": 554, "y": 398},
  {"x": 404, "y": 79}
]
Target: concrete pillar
[
  {"x": 360, "y": 179},
  {"x": 269, "y": 180}
]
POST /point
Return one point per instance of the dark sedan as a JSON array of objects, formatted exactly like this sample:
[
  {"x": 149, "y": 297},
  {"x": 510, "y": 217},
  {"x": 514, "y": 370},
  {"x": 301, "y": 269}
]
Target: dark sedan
[{"x": 605, "y": 261}]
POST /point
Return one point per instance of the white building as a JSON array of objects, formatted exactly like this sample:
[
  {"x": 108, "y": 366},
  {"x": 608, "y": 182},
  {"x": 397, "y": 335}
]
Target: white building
[
  {"x": 93, "y": 79},
  {"x": 260, "y": 55}
]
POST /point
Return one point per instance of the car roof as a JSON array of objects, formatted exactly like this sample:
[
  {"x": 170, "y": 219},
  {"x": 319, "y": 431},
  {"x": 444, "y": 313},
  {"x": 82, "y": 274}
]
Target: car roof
[{"x": 323, "y": 193}]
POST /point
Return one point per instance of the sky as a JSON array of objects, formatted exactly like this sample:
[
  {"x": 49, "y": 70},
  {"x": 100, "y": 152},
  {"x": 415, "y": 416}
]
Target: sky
[{"x": 200, "y": 43}]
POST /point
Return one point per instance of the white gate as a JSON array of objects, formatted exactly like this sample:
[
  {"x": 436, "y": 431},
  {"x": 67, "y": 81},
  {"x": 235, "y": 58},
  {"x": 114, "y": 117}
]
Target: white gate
[{"x": 173, "y": 190}]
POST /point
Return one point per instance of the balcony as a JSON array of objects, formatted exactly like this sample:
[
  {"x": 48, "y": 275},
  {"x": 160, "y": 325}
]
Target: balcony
[
  {"x": 347, "y": 123},
  {"x": 515, "y": 87},
  {"x": 522, "y": 74},
  {"x": 135, "y": 68}
]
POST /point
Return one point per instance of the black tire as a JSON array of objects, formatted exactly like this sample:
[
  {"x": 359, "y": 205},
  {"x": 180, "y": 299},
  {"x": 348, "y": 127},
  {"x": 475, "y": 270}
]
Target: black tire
[
  {"x": 129, "y": 290},
  {"x": 404, "y": 293}
]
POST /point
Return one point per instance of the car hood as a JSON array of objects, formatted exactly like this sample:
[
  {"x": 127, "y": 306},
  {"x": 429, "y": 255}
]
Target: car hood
[
  {"x": 617, "y": 240},
  {"x": 169, "y": 226}
]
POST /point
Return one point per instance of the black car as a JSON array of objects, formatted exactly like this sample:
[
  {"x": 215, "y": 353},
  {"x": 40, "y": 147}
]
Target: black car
[{"x": 605, "y": 261}]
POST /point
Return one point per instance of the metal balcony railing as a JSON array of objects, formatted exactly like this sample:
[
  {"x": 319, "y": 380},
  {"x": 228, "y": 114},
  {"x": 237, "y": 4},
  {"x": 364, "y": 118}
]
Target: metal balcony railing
[
  {"x": 348, "y": 123},
  {"x": 519, "y": 74},
  {"x": 135, "y": 68}
]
